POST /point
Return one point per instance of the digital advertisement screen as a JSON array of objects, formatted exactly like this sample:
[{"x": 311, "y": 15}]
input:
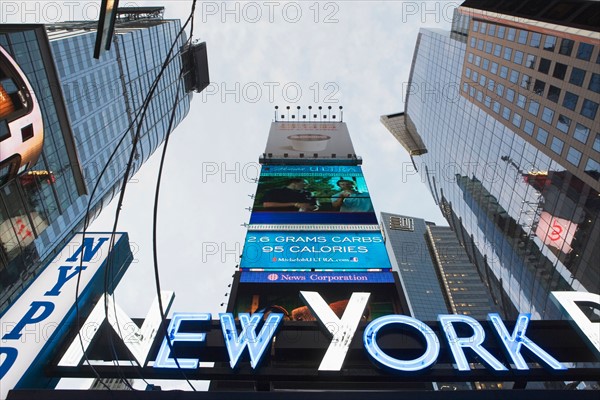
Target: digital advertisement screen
[
  {"x": 314, "y": 251},
  {"x": 329, "y": 140},
  {"x": 312, "y": 195},
  {"x": 284, "y": 297}
]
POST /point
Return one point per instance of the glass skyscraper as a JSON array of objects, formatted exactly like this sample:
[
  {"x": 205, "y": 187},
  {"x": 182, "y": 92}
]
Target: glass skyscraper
[
  {"x": 502, "y": 114},
  {"x": 87, "y": 107}
]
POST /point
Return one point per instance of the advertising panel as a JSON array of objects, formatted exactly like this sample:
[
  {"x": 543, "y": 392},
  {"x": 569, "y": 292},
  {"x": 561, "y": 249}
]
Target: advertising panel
[
  {"x": 44, "y": 311},
  {"x": 21, "y": 126},
  {"x": 314, "y": 277},
  {"x": 315, "y": 251},
  {"x": 312, "y": 195},
  {"x": 283, "y": 297},
  {"x": 309, "y": 140}
]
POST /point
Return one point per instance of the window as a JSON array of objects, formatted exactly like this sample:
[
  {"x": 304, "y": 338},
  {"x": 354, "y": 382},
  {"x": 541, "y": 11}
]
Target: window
[
  {"x": 518, "y": 57},
  {"x": 528, "y": 127},
  {"x": 542, "y": 136},
  {"x": 544, "y": 66},
  {"x": 492, "y": 30},
  {"x": 470, "y": 58},
  {"x": 534, "y": 107},
  {"x": 514, "y": 76},
  {"x": 577, "y": 76},
  {"x": 465, "y": 87},
  {"x": 581, "y": 133},
  {"x": 592, "y": 167},
  {"x": 473, "y": 41},
  {"x": 553, "y": 93},
  {"x": 594, "y": 85},
  {"x": 503, "y": 72},
  {"x": 479, "y": 96},
  {"x": 521, "y": 100},
  {"x": 570, "y": 101},
  {"x": 589, "y": 108},
  {"x": 477, "y": 61},
  {"x": 557, "y": 145},
  {"x": 584, "y": 51},
  {"x": 563, "y": 123},
  {"x": 538, "y": 87},
  {"x": 574, "y": 156},
  {"x": 596, "y": 145},
  {"x": 494, "y": 68},
  {"x": 486, "y": 64},
  {"x": 522, "y": 37},
  {"x": 530, "y": 62},
  {"x": 566, "y": 47},
  {"x": 475, "y": 76},
  {"x": 483, "y": 27},
  {"x": 482, "y": 80},
  {"x": 511, "y": 34},
  {"x": 535, "y": 39},
  {"x": 505, "y": 113},
  {"x": 525, "y": 81},
  {"x": 468, "y": 72},
  {"x": 488, "y": 101},
  {"x": 488, "y": 47},
  {"x": 547, "y": 115},
  {"x": 497, "y": 110},
  {"x": 516, "y": 121},
  {"x": 560, "y": 70},
  {"x": 499, "y": 89},
  {"x": 480, "y": 44},
  {"x": 510, "y": 95},
  {"x": 471, "y": 91},
  {"x": 497, "y": 50},
  {"x": 507, "y": 53},
  {"x": 475, "y": 26},
  {"x": 550, "y": 43},
  {"x": 491, "y": 84},
  {"x": 501, "y": 31}
]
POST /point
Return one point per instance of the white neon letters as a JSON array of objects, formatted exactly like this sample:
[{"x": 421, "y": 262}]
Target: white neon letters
[
  {"x": 567, "y": 301},
  {"x": 342, "y": 330},
  {"x": 512, "y": 343},
  {"x": 256, "y": 344},
  {"x": 162, "y": 359},
  {"x": 432, "y": 346},
  {"x": 473, "y": 342}
]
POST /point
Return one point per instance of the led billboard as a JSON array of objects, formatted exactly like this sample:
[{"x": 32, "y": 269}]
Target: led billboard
[
  {"x": 309, "y": 140},
  {"x": 314, "y": 251},
  {"x": 21, "y": 126},
  {"x": 312, "y": 195}
]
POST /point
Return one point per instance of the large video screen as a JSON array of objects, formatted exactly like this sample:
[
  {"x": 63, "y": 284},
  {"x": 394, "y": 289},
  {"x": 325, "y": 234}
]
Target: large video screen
[
  {"x": 312, "y": 195},
  {"x": 314, "y": 251},
  {"x": 284, "y": 297}
]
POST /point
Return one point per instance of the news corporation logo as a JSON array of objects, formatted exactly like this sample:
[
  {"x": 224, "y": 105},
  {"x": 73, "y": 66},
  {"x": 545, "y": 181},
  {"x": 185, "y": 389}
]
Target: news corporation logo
[{"x": 272, "y": 277}]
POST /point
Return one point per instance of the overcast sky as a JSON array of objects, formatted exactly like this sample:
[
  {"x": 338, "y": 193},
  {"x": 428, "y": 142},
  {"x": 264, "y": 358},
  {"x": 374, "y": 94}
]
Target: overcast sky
[{"x": 261, "y": 54}]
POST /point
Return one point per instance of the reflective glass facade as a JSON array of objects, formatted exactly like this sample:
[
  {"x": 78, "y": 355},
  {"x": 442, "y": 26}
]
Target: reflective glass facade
[
  {"x": 533, "y": 222},
  {"x": 102, "y": 98}
]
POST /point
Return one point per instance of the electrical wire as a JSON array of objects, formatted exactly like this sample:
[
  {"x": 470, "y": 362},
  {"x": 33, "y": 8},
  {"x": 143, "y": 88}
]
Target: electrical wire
[{"x": 140, "y": 114}]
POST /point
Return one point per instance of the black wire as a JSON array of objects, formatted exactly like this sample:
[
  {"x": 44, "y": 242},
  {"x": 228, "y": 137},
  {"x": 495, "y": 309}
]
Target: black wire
[
  {"x": 87, "y": 215},
  {"x": 155, "y": 218}
]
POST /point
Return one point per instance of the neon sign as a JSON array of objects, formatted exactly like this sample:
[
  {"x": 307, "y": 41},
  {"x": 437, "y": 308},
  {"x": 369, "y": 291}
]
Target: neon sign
[{"x": 342, "y": 331}]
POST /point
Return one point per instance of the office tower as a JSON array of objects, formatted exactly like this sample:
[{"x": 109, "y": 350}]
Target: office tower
[
  {"x": 501, "y": 119},
  {"x": 87, "y": 107},
  {"x": 434, "y": 269}
]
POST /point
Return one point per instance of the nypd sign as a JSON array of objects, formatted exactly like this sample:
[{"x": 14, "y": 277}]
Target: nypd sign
[{"x": 43, "y": 312}]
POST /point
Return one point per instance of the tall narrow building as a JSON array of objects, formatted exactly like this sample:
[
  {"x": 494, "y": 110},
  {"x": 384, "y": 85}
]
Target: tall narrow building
[
  {"x": 502, "y": 120},
  {"x": 90, "y": 109}
]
